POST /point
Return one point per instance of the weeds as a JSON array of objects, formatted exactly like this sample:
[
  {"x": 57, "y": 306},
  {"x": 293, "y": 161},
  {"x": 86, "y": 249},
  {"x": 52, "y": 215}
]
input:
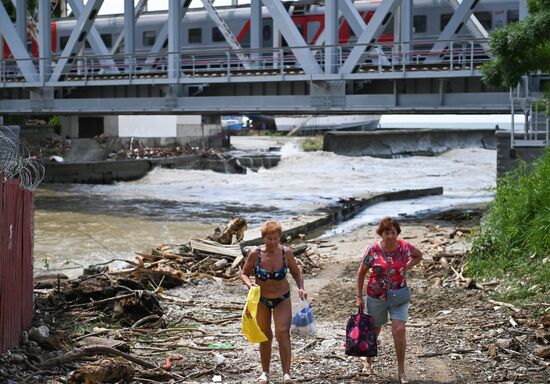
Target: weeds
[{"x": 313, "y": 143}]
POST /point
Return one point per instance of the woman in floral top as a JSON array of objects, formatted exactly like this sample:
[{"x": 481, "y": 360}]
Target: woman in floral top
[{"x": 388, "y": 260}]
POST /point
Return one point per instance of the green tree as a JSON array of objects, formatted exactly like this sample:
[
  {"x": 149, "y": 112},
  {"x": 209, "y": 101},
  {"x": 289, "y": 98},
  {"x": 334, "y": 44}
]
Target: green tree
[
  {"x": 521, "y": 48},
  {"x": 32, "y": 8}
]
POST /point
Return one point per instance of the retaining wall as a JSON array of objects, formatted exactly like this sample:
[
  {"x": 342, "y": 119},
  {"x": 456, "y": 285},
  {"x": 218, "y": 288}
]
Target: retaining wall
[
  {"x": 399, "y": 142},
  {"x": 508, "y": 158},
  {"x": 16, "y": 266}
]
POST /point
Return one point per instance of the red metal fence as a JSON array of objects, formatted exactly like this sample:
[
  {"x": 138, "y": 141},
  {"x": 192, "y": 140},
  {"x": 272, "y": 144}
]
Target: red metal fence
[{"x": 16, "y": 267}]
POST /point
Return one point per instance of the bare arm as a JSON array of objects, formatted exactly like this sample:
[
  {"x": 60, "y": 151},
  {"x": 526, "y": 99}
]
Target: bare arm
[
  {"x": 361, "y": 273},
  {"x": 416, "y": 258},
  {"x": 296, "y": 273},
  {"x": 248, "y": 267}
]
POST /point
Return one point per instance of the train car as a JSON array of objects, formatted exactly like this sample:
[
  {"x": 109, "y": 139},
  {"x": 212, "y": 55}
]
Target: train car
[{"x": 199, "y": 32}]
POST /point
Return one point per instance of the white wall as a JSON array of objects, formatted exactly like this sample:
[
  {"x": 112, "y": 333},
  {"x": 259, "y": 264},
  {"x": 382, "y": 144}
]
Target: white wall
[{"x": 147, "y": 126}]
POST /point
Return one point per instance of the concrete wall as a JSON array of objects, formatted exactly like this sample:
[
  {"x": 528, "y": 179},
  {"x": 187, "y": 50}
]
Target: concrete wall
[
  {"x": 110, "y": 125},
  {"x": 69, "y": 126},
  {"x": 508, "y": 158},
  {"x": 390, "y": 143},
  {"x": 156, "y": 130}
]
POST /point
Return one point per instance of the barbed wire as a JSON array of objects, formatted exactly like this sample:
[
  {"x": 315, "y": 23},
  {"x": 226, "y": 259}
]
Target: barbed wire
[{"x": 17, "y": 162}]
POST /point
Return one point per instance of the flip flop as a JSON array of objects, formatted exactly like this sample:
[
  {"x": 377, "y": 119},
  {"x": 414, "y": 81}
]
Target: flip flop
[
  {"x": 287, "y": 379},
  {"x": 367, "y": 369},
  {"x": 263, "y": 379}
]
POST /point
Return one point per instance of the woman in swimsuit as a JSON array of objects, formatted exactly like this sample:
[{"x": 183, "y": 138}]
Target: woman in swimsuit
[{"x": 270, "y": 264}]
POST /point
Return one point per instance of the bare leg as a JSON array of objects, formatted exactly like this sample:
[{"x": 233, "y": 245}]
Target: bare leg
[
  {"x": 367, "y": 369},
  {"x": 399, "y": 339},
  {"x": 263, "y": 318},
  {"x": 282, "y": 316}
]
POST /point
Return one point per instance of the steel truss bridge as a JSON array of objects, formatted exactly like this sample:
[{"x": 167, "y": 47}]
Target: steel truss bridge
[{"x": 437, "y": 76}]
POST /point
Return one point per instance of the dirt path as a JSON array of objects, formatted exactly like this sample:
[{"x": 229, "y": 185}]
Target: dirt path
[{"x": 455, "y": 334}]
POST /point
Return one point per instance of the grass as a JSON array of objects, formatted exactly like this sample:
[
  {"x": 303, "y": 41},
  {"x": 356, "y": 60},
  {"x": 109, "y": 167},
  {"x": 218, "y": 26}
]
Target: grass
[
  {"x": 514, "y": 240},
  {"x": 313, "y": 143}
]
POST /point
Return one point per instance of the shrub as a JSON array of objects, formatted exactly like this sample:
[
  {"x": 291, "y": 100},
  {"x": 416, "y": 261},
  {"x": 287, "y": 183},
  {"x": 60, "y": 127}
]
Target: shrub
[{"x": 514, "y": 239}]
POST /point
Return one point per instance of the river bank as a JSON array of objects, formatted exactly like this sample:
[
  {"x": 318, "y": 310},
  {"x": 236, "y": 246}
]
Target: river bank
[{"x": 456, "y": 333}]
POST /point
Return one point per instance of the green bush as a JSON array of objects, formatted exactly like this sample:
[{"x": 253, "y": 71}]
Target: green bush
[{"x": 514, "y": 240}]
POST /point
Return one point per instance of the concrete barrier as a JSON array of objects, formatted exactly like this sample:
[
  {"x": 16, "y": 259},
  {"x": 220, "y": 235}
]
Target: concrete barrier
[
  {"x": 399, "y": 142},
  {"x": 508, "y": 158},
  {"x": 343, "y": 210}
]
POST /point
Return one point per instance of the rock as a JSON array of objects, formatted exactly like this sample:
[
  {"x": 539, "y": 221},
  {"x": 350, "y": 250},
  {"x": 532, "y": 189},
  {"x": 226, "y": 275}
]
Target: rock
[
  {"x": 24, "y": 338},
  {"x": 39, "y": 334},
  {"x": 543, "y": 352},
  {"x": 17, "y": 358}
]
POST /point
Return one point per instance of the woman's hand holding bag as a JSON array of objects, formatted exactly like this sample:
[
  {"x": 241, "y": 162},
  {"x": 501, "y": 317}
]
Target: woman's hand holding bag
[
  {"x": 303, "y": 322},
  {"x": 250, "y": 327}
]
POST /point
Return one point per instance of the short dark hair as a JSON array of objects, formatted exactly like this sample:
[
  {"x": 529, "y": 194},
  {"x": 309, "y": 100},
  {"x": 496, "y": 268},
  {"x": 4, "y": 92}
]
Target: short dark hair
[{"x": 387, "y": 223}]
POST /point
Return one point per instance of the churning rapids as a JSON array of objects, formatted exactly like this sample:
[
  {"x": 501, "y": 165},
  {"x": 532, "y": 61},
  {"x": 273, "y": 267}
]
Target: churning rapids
[{"x": 85, "y": 224}]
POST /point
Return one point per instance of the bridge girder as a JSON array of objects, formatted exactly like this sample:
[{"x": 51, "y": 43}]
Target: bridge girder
[{"x": 330, "y": 67}]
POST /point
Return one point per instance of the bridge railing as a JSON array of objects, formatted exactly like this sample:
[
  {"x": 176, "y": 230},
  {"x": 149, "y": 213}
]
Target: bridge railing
[
  {"x": 536, "y": 113},
  {"x": 209, "y": 64}
]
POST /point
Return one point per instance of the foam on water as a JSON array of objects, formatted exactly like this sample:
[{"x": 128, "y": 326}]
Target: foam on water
[{"x": 170, "y": 205}]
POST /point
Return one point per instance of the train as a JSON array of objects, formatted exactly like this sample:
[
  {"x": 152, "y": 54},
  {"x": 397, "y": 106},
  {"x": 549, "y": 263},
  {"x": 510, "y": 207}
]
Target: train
[{"x": 199, "y": 32}]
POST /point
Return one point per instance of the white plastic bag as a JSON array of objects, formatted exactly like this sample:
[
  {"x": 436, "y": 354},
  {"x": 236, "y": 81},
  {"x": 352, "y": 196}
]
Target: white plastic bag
[{"x": 303, "y": 321}]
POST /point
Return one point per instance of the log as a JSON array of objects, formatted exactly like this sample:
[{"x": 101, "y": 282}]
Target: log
[{"x": 93, "y": 350}]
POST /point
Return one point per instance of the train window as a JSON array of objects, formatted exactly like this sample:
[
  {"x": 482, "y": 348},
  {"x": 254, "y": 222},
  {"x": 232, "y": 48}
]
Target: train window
[
  {"x": 485, "y": 18},
  {"x": 195, "y": 35},
  {"x": 149, "y": 38},
  {"x": 217, "y": 35},
  {"x": 107, "y": 39},
  {"x": 512, "y": 16},
  {"x": 444, "y": 20},
  {"x": 63, "y": 40},
  {"x": 312, "y": 29},
  {"x": 420, "y": 23},
  {"x": 266, "y": 32}
]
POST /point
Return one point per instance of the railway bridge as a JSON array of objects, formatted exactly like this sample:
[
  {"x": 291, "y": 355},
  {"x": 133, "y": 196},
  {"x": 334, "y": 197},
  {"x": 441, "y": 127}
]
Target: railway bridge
[
  {"x": 371, "y": 71},
  {"x": 293, "y": 75}
]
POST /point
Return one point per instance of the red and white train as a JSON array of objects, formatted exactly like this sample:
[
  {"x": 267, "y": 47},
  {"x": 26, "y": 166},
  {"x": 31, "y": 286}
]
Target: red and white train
[{"x": 200, "y": 33}]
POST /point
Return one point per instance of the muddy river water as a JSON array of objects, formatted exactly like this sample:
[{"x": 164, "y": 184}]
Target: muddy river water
[{"x": 77, "y": 225}]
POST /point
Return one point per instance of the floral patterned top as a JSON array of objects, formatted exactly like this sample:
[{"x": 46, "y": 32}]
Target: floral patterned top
[{"x": 382, "y": 263}]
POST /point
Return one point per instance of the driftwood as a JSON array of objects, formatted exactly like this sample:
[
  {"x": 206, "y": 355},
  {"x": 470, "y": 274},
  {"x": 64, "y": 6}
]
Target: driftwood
[
  {"x": 92, "y": 350},
  {"x": 236, "y": 227}
]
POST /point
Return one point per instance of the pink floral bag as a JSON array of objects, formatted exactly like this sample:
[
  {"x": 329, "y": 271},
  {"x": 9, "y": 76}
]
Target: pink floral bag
[{"x": 360, "y": 336}]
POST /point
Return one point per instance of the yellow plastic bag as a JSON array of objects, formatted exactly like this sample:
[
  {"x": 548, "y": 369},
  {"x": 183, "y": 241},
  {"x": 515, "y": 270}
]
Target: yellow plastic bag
[{"x": 250, "y": 326}]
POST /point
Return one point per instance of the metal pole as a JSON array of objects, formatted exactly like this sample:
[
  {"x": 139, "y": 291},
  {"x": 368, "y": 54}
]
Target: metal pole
[
  {"x": 331, "y": 36},
  {"x": 21, "y": 19},
  {"x": 129, "y": 34},
  {"x": 174, "y": 43},
  {"x": 255, "y": 31},
  {"x": 45, "y": 36}
]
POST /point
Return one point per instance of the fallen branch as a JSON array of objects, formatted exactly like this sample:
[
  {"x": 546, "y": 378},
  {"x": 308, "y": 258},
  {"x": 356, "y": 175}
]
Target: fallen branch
[
  {"x": 507, "y": 305},
  {"x": 91, "y": 351},
  {"x": 103, "y": 301},
  {"x": 144, "y": 320}
]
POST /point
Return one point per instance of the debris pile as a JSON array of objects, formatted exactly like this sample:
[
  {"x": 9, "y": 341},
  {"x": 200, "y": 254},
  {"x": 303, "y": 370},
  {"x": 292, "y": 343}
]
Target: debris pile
[
  {"x": 170, "y": 265},
  {"x": 141, "y": 152},
  {"x": 52, "y": 147}
]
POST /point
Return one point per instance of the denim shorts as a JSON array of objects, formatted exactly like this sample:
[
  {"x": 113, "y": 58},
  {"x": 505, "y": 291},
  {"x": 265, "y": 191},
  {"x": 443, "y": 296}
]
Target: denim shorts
[{"x": 378, "y": 309}]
